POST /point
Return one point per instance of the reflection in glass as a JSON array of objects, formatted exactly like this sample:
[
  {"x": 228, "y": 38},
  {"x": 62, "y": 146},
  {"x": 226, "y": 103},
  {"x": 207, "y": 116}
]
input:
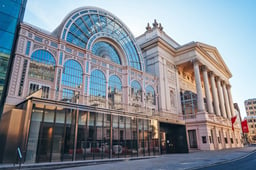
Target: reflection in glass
[
  {"x": 115, "y": 92},
  {"x": 107, "y": 51},
  {"x": 136, "y": 91},
  {"x": 42, "y": 65},
  {"x": 150, "y": 95},
  {"x": 97, "y": 88},
  {"x": 86, "y": 24},
  {"x": 72, "y": 74}
]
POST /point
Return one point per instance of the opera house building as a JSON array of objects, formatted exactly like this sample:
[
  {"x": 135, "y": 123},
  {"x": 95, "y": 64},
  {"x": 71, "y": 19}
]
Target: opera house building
[{"x": 91, "y": 90}]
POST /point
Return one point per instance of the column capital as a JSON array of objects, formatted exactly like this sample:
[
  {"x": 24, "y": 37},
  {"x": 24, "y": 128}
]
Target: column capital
[
  {"x": 203, "y": 68},
  {"x": 211, "y": 73},
  {"x": 195, "y": 60},
  {"x": 217, "y": 78},
  {"x": 228, "y": 86}
]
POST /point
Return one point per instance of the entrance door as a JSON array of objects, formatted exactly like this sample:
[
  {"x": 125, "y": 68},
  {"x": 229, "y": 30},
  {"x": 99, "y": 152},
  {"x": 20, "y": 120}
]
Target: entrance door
[
  {"x": 192, "y": 138},
  {"x": 163, "y": 142}
]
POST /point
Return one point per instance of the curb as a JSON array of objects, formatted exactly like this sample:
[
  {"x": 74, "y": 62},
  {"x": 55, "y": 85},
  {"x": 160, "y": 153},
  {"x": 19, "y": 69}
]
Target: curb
[
  {"x": 223, "y": 162},
  {"x": 60, "y": 165}
]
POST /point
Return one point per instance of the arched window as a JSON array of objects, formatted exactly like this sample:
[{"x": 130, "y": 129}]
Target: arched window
[
  {"x": 42, "y": 65},
  {"x": 150, "y": 95},
  {"x": 106, "y": 50},
  {"x": 115, "y": 84},
  {"x": 72, "y": 74},
  {"x": 136, "y": 91},
  {"x": 98, "y": 84},
  {"x": 115, "y": 89}
]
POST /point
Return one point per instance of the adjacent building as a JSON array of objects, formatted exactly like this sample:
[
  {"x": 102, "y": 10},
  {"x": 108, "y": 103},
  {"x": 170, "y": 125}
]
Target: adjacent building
[
  {"x": 11, "y": 14},
  {"x": 250, "y": 107},
  {"x": 90, "y": 90}
]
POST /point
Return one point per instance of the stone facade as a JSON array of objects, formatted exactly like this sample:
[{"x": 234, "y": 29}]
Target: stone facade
[{"x": 199, "y": 70}]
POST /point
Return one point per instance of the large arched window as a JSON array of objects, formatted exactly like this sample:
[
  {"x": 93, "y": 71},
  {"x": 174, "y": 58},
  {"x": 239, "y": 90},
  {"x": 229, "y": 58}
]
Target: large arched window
[
  {"x": 84, "y": 26},
  {"x": 72, "y": 74},
  {"x": 136, "y": 91},
  {"x": 98, "y": 84},
  {"x": 150, "y": 95},
  {"x": 107, "y": 51},
  {"x": 42, "y": 65}
]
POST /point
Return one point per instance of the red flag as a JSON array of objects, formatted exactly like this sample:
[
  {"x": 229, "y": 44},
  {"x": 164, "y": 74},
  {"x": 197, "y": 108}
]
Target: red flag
[
  {"x": 245, "y": 126},
  {"x": 233, "y": 119}
]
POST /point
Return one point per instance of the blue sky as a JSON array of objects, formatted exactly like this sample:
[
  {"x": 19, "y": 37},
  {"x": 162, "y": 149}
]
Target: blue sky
[{"x": 229, "y": 25}]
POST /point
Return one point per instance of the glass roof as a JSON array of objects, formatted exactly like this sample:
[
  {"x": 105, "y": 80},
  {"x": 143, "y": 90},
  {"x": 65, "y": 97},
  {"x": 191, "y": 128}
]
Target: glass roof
[{"x": 83, "y": 24}]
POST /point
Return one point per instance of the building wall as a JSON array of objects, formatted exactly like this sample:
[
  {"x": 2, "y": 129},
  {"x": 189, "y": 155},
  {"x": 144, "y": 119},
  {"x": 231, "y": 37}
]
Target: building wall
[
  {"x": 11, "y": 13},
  {"x": 250, "y": 107},
  {"x": 193, "y": 70}
]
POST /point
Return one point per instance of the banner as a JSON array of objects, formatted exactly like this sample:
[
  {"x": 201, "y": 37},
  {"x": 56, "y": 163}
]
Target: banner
[
  {"x": 245, "y": 126},
  {"x": 233, "y": 119}
]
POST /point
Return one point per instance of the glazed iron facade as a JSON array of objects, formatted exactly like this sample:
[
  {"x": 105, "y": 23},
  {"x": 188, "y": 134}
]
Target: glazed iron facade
[{"x": 82, "y": 93}]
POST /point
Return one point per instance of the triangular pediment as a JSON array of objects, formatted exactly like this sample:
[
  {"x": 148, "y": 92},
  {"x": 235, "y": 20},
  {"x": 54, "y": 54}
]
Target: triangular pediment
[{"x": 214, "y": 57}]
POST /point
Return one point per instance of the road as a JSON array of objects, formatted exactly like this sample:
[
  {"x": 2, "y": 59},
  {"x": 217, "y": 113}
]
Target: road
[{"x": 247, "y": 163}]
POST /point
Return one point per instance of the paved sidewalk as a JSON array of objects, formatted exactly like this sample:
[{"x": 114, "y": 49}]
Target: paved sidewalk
[
  {"x": 175, "y": 161},
  {"x": 163, "y": 162}
]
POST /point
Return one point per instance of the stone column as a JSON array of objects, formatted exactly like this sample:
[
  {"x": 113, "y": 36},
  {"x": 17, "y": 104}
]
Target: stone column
[
  {"x": 207, "y": 90},
  {"x": 215, "y": 95},
  {"x": 226, "y": 100},
  {"x": 220, "y": 91},
  {"x": 200, "y": 101},
  {"x": 231, "y": 101},
  {"x": 178, "y": 91}
]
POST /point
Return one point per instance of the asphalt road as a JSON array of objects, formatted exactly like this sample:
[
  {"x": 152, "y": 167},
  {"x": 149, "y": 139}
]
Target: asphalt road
[{"x": 247, "y": 163}]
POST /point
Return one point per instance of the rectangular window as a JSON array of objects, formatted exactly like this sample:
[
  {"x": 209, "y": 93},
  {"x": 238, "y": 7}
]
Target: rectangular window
[
  {"x": 23, "y": 74},
  {"x": 80, "y": 54},
  {"x": 45, "y": 92},
  {"x": 226, "y": 140},
  {"x": 204, "y": 139},
  {"x": 69, "y": 50},
  {"x": 94, "y": 61},
  {"x": 28, "y": 47},
  {"x": 53, "y": 44},
  {"x": 60, "y": 59},
  {"x": 85, "y": 85},
  {"x": 33, "y": 88},
  {"x": 87, "y": 67},
  {"x": 39, "y": 39}
]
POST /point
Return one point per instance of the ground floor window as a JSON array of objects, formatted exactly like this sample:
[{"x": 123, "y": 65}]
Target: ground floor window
[{"x": 65, "y": 134}]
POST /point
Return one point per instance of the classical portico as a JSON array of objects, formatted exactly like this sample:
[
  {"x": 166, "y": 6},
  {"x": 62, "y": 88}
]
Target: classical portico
[{"x": 202, "y": 84}]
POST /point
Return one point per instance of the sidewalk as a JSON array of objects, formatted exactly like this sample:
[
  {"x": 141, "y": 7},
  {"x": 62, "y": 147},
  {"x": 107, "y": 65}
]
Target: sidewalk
[{"x": 162, "y": 162}]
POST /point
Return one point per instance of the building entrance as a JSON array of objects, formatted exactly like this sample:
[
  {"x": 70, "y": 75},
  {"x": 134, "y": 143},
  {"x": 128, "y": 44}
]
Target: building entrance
[{"x": 172, "y": 138}]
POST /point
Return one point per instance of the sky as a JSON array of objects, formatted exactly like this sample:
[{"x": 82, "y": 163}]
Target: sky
[{"x": 229, "y": 25}]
